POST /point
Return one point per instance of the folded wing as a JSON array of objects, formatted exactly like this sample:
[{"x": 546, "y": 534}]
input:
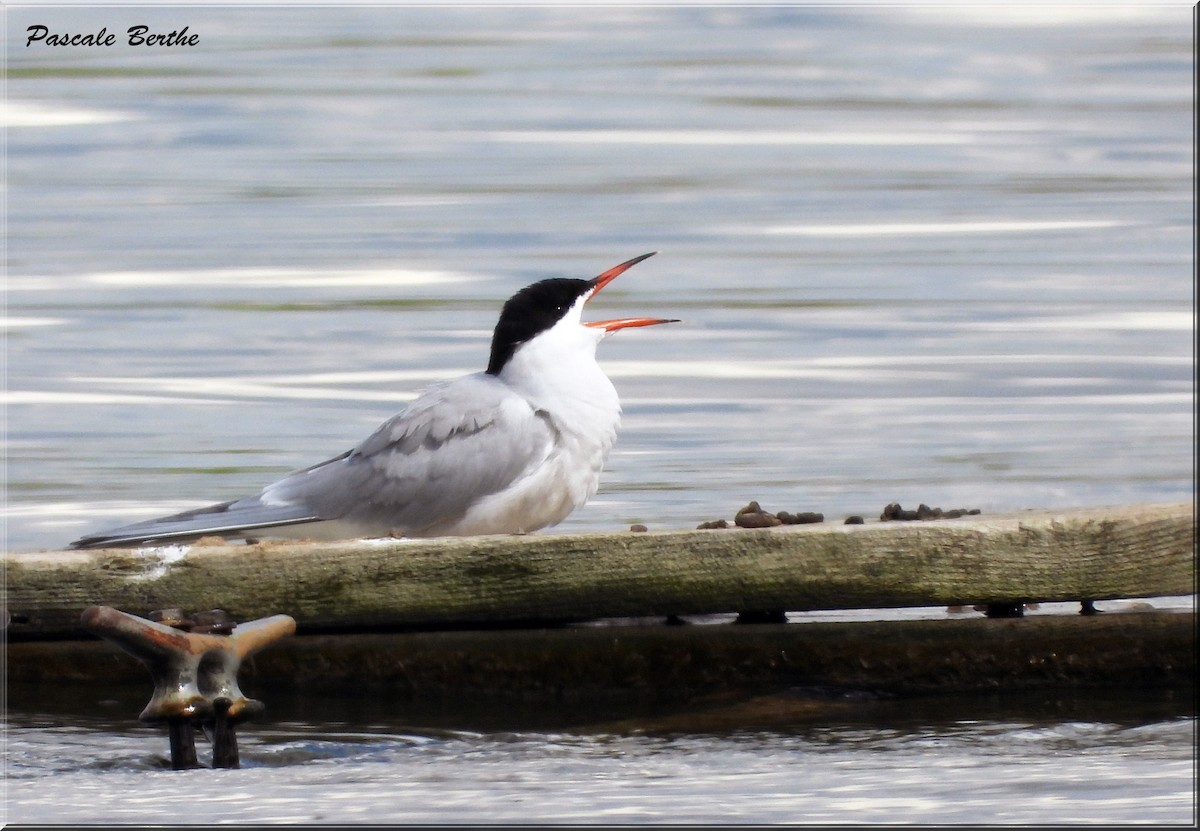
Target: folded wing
[{"x": 454, "y": 445}]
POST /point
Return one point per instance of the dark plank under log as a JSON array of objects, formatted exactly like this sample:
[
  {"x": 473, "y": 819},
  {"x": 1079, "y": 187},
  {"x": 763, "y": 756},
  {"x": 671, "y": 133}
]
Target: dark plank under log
[{"x": 672, "y": 664}]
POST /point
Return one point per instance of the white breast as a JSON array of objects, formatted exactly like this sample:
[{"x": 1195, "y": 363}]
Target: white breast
[{"x": 558, "y": 375}]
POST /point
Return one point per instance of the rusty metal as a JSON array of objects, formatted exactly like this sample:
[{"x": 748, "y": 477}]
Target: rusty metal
[
  {"x": 194, "y": 663},
  {"x": 181, "y": 734},
  {"x": 224, "y": 738}
]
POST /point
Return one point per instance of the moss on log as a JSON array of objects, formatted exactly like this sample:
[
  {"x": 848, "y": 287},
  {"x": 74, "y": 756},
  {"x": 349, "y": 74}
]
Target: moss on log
[{"x": 1097, "y": 554}]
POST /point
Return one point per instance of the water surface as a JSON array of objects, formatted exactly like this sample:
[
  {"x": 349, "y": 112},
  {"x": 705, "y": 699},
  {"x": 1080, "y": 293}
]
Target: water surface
[
  {"x": 1033, "y": 758},
  {"x": 938, "y": 256},
  {"x": 941, "y": 258}
]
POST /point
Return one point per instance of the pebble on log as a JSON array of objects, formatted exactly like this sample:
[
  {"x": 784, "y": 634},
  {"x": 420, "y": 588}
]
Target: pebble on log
[
  {"x": 923, "y": 512},
  {"x": 754, "y": 516}
]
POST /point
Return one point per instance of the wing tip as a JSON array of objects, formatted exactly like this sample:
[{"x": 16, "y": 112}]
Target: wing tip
[{"x": 190, "y": 526}]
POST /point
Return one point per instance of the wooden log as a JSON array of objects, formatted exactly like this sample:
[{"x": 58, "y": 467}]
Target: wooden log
[{"x": 1098, "y": 553}]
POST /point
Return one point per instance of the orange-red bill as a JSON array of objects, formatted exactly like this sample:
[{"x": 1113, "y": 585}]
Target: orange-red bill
[
  {"x": 616, "y": 271},
  {"x": 627, "y": 323}
]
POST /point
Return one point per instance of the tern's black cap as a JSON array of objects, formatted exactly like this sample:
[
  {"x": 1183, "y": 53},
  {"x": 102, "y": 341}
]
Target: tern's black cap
[{"x": 531, "y": 311}]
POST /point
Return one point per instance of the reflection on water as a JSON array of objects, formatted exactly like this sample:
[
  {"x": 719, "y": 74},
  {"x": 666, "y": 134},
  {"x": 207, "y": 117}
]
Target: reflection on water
[{"x": 1040, "y": 757}]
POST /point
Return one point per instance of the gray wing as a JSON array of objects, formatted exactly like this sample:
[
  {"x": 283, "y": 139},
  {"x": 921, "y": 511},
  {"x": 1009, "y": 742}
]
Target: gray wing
[
  {"x": 227, "y": 518},
  {"x": 455, "y": 444}
]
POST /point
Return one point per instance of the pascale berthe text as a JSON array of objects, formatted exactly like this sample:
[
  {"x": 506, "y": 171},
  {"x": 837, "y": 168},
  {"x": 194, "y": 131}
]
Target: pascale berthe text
[{"x": 135, "y": 36}]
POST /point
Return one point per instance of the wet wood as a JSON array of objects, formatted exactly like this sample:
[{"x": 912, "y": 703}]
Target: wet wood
[
  {"x": 1098, "y": 553},
  {"x": 672, "y": 664}
]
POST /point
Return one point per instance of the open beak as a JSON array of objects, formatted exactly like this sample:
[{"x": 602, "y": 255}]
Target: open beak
[
  {"x": 616, "y": 271},
  {"x": 625, "y": 322}
]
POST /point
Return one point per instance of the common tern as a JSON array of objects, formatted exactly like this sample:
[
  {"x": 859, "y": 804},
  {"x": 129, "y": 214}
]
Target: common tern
[{"x": 508, "y": 450}]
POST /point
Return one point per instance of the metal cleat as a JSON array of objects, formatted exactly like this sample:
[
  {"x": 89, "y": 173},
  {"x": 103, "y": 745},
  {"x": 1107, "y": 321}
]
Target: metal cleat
[{"x": 194, "y": 663}]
